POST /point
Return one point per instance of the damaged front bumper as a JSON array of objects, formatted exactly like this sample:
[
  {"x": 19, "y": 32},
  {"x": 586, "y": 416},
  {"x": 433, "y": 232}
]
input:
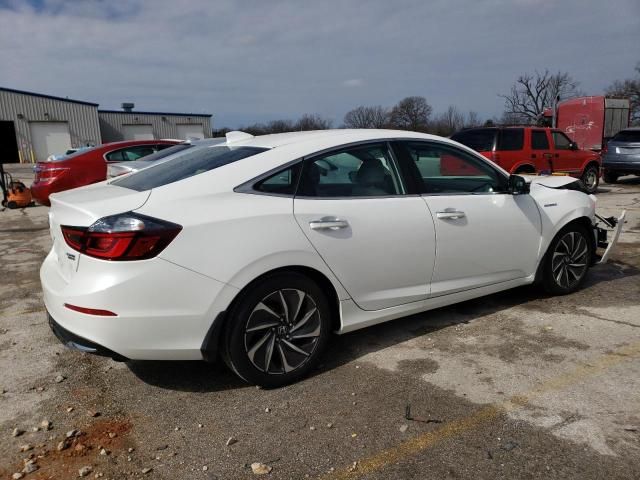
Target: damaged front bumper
[{"x": 605, "y": 226}]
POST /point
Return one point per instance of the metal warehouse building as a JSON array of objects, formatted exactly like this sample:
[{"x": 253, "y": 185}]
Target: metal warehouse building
[
  {"x": 131, "y": 125},
  {"x": 34, "y": 126}
]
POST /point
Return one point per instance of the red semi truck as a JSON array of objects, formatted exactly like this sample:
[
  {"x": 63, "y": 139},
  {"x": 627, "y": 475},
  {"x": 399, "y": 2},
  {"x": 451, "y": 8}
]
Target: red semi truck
[{"x": 591, "y": 121}]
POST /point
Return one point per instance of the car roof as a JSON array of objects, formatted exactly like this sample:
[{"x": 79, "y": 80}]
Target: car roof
[{"x": 324, "y": 137}]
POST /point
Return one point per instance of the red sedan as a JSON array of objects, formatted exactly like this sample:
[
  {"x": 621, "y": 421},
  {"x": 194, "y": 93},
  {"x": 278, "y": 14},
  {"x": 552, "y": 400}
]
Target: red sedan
[{"x": 88, "y": 166}]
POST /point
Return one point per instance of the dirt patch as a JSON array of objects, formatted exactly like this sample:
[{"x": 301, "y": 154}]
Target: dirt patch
[{"x": 80, "y": 450}]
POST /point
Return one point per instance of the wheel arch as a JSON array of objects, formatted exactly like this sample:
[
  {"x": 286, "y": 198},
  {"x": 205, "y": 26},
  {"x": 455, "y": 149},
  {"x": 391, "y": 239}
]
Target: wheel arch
[
  {"x": 211, "y": 344},
  {"x": 524, "y": 167},
  {"x": 584, "y": 222}
]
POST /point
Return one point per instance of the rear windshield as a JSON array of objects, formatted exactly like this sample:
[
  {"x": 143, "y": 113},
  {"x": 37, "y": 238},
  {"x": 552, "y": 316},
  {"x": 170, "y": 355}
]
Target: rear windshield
[
  {"x": 184, "y": 165},
  {"x": 480, "y": 140},
  {"x": 627, "y": 136}
]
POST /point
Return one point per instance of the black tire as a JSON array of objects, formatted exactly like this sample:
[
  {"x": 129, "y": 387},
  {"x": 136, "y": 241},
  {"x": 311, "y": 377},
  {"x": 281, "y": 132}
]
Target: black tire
[
  {"x": 610, "y": 177},
  {"x": 245, "y": 330},
  {"x": 12, "y": 205},
  {"x": 570, "y": 247},
  {"x": 590, "y": 178}
]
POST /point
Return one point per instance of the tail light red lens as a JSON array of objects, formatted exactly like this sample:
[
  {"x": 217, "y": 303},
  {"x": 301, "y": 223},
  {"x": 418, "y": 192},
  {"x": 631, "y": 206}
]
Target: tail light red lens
[
  {"x": 129, "y": 236},
  {"x": 48, "y": 174}
]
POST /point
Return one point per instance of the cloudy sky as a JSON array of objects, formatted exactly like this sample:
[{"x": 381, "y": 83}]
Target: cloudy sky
[{"x": 256, "y": 60}]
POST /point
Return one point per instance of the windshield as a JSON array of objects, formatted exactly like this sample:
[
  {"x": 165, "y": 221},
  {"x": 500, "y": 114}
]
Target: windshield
[{"x": 184, "y": 165}]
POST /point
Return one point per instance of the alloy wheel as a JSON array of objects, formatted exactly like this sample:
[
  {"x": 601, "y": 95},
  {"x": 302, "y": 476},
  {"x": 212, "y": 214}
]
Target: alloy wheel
[
  {"x": 570, "y": 262},
  {"x": 590, "y": 179},
  {"x": 282, "y": 331}
]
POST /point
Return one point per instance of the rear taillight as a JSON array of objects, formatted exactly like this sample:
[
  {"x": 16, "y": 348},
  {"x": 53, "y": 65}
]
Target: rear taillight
[
  {"x": 128, "y": 236},
  {"x": 48, "y": 174}
]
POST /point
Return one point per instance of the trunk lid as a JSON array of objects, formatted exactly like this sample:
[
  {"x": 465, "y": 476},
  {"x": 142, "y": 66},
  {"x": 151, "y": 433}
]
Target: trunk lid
[{"x": 81, "y": 207}]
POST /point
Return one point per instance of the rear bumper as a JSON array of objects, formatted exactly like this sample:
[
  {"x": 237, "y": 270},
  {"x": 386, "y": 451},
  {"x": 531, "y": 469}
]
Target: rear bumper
[
  {"x": 622, "y": 163},
  {"x": 76, "y": 342},
  {"x": 41, "y": 191},
  {"x": 164, "y": 311}
]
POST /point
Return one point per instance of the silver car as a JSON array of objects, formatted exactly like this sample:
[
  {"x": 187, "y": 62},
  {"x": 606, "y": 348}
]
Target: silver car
[
  {"x": 623, "y": 155},
  {"x": 122, "y": 168}
]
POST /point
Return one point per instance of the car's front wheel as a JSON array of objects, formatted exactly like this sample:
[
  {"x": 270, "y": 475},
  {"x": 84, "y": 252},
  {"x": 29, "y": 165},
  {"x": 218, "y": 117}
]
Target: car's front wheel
[
  {"x": 590, "y": 178},
  {"x": 567, "y": 261},
  {"x": 277, "y": 330}
]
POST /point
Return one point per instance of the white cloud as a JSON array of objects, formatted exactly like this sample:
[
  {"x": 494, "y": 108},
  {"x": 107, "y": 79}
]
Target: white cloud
[{"x": 254, "y": 60}]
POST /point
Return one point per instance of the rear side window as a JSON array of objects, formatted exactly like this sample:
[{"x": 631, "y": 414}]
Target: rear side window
[
  {"x": 539, "y": 140},
  {"x": 511, "y": 139},
  {"x": 480, "y": 140},
  {"x": 282, "y": 183},
  {"x": 185, "y": 165},
  {"x": 627, "y": 136}
]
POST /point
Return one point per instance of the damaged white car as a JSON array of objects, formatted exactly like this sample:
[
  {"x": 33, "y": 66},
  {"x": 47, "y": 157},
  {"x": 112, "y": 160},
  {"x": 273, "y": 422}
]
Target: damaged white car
[{"x": 260, "y": 247}]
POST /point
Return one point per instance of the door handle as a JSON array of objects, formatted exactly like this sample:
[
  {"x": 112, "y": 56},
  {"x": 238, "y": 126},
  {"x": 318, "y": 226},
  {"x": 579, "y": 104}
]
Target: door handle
[
  {"x": 328, "y": 224},
  {"x": 453, "y": 214},
  {"x": 547, "y": 155}
]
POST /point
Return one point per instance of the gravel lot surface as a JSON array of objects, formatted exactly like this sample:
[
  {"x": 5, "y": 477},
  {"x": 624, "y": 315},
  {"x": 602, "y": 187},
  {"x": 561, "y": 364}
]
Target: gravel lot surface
[{"x": 515, "y": 385}]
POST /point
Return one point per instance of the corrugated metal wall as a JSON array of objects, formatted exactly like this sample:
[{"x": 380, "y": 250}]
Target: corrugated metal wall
[
  {"x": 164, "y": 124},
  {"x": 82, "y": 119}
]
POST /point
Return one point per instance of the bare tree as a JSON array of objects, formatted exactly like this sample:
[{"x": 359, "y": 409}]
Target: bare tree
[
  {"x": 473, "y": 120},
  {"x": 411, "y": 113},
  {"x": 280, "y": 126},
  {"x": 629, "y": 88},
  {"x": 367, "y": 117},
  {"x": 312, "y": 122},
  {"x": 532, "y": 93}
]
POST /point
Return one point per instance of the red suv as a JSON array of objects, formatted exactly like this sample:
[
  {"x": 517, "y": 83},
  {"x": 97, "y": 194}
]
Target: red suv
[
  {"x": 88, "y": 166},
  {"x": 534, "y": 150}
]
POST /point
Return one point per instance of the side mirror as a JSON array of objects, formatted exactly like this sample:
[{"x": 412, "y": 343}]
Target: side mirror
[
  {"x": 573, "y": 146},
  {"x": 518, "y": 185}
]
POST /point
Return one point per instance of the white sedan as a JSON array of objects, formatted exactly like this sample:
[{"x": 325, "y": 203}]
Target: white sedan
[{"x": 259, "y": 248}]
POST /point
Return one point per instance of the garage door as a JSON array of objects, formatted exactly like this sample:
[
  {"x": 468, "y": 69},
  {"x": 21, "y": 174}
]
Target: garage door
[
  {"x": 185, "y": 132},
  {"x": 49, "y": 138},
  {"x": 137, "y": 132}
]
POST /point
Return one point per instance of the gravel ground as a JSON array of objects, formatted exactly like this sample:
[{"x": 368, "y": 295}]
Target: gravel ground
[{"x": 515, "y": 385}]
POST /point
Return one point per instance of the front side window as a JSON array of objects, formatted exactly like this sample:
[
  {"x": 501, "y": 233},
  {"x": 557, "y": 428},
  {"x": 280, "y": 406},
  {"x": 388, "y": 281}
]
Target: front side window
[
  {"x": 447, "y": 170},
  {"x": 184, "y": 165},
  {"x": 539, "y": 140},
  {"x": 561, "y": 141},
  {"x": 363, "y": 171}
]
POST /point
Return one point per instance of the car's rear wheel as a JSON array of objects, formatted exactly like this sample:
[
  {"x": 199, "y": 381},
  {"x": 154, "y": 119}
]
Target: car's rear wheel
[
  {"x": 590, "y": 178},
  {"x": 610, "y": 177},
  {"x": 278, "y": 330},
  {"x": 567, "y": 261}
]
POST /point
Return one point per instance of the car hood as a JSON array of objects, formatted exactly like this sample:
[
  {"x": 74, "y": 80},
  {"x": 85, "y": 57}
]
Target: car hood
[
  {"x": 551, "y": 181},
  {"x": 83, "y": 206}
]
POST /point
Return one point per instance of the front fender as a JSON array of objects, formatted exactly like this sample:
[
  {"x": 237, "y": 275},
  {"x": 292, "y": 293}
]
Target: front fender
[{"x": 559, "y": 207}]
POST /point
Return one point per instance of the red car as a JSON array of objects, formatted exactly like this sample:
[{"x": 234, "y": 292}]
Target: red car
[
  {"x": 534, "y": 150},
  {"x": 88, "y": 166}
]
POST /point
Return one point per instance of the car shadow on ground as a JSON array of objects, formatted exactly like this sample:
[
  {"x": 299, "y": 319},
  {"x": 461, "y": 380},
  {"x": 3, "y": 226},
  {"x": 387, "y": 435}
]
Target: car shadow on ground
[{"x": 210, "y": 377}]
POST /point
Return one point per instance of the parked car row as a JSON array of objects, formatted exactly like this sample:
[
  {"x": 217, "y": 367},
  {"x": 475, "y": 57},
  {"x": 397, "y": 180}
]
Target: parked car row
[
  {"x": 88, "y": 165},
  {"x": 258, "y": 248}
]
